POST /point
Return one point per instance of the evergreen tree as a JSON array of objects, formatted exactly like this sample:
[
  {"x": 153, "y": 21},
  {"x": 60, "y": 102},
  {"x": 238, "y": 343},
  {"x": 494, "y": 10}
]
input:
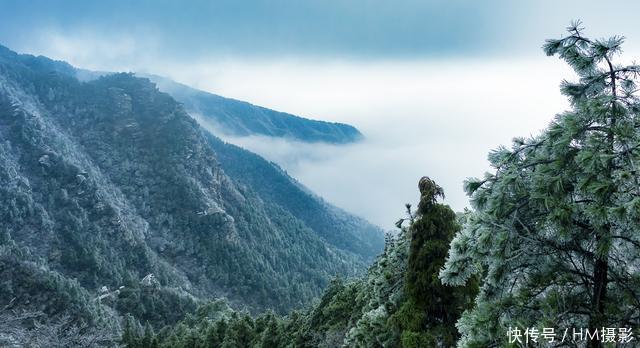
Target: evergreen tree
[
  {"x": 554, "y": 236},
  {"x": 149, "y": 339},
  {"x": 215, "y": 334},
  {"x": 130, "y": 334},
  {"x": 428, "y": 315},
  {"x": 239, "y": 333},
  {"x": 190, "y": 339},
  {"x": 272, "y": 334}
]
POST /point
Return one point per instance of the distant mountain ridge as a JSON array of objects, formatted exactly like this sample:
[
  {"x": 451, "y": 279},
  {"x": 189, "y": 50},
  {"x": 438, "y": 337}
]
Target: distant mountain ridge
[
  {"x": 231, "y": 117},
  {"x": 274, "y": 185},
  {"x": 107, "y": 182},
  {"x": 238, "y": 118}
]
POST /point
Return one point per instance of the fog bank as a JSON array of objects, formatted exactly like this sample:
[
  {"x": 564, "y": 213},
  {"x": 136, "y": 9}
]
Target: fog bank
[{"x": 430, "y": 118}]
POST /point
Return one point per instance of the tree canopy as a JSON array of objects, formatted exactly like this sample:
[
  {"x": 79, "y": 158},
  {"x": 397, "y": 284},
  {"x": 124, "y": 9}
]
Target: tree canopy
[{"x": 554, "y": 233}]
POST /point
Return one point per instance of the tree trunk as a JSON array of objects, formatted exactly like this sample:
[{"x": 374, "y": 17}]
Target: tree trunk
[
  {"x": 601, "y": 266},
  {"x": 600, "y": 275}
]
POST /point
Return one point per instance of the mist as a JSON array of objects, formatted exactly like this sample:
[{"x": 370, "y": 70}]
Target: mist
[{"x": 434, "y": 118}]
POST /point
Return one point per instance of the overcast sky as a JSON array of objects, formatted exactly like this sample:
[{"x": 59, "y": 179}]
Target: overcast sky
[{"x": 433, "y": 85}]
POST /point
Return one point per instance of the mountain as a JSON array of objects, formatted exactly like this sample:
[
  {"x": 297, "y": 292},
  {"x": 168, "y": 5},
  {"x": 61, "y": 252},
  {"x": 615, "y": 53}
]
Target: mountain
[
  {"x": 237, "y": 118},
  {"x": 267, "y": 178},
  {"x": 399, "y": 302},
  {"x": 274, "y": 185},
  {"x": 114, "y": 200}
]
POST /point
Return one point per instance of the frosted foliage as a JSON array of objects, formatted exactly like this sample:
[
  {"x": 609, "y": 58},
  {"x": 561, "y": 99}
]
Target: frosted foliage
[
  {"x": 382, "y": 294},
  {"x": 554, "y": 233}
]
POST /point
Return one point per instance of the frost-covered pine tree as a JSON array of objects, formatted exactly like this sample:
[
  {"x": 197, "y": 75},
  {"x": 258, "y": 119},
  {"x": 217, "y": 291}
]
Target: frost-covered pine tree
[{"x": 555, "y": 236}]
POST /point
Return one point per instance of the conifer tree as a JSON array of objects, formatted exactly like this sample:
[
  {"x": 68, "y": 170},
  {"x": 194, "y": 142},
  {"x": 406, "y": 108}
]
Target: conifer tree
[
  {"x": 149, "y": 339},
  {"x": 431, "y": 309},
  {"x": 272, "y": 335},
  {"x": 215, "y": 333},
  {"x": 130, "y": 332},
  {"x": 555, "y": 234},
  {"x": 239, "y": 332}
]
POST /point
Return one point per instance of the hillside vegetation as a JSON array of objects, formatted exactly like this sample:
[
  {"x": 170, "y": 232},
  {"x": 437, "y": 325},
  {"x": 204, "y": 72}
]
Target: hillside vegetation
[
  {"x": 549, "y": 255},
  {"x": 113, "y": 200}
]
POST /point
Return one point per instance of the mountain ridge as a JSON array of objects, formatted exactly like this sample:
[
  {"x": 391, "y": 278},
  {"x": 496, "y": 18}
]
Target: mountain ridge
[
  {"x": 110, "y": 183},
  {"x": 234, "y": 117}
]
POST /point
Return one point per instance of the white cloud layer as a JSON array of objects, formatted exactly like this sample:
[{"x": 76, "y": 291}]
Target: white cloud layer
[
  {"x": 435, "y": 118},
  {"x": 427, "y": 116}
]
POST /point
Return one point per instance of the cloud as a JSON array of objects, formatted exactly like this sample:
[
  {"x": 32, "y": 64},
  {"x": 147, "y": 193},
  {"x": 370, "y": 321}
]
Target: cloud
[
  {"x": 360, "y": 28},
  {"x": 433, "y": 85},
  {"x": 328, "y": 29},
  {"x": 435, "y": 117},
  {"x": 438, "y": 118}
]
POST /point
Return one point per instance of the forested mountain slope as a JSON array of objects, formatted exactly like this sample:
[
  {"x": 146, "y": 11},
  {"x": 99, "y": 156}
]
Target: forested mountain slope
[
  {"x": 274, "y": 185},
  {"x": 266, "y": 178},
  {"x": 113, "y": 200},
  {"x": 552, "y": 244},
  {"x": 400, "y": 302},
  {"x": 239, "y": 118}
]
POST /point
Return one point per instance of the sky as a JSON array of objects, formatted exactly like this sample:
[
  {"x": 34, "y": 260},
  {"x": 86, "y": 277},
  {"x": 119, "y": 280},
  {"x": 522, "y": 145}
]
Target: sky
[{"x": 433, "y": 85}]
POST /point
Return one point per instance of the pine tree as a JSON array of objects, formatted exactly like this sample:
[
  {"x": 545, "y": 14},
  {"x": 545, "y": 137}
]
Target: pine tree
[{"x": 554, "y": 236}]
